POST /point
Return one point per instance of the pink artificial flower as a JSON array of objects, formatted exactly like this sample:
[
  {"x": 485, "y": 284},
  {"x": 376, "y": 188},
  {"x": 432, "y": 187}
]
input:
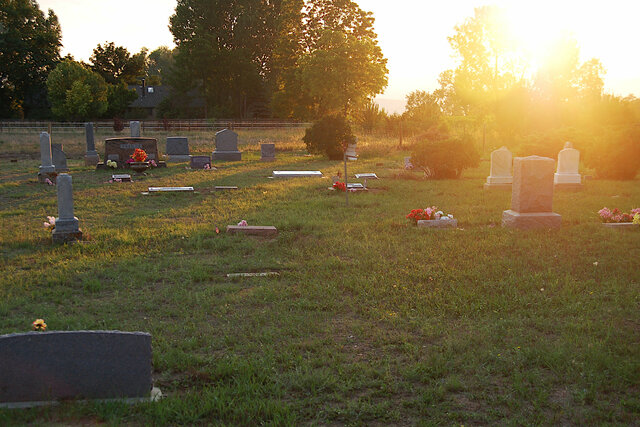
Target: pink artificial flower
[
  {"x": 153, "y": 163},
  {"x": 618, "y": 218},
  {"x": 243, "y": 223},
  {"x": 635, "y": 211},
  {"x": 48, "y": 181},
  {"x": 605, "y": 214},
  {"x": 207, "y": 166},
  {"x": 118, "y": 180},
  {"x": 129, "y": 160}
]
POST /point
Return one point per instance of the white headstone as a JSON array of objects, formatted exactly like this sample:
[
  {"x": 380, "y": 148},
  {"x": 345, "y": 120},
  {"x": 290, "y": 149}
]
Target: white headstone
[
  {"x": 500, "y": 173},
  {"x": 568, "y": 163},
  {"x": 134, "y": 126}
]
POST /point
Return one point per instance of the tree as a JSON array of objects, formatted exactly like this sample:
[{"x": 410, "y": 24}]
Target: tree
[
  {"x": 225, "y": 48},
  {"x": 422, "y": 111},
  {"x": 116, "y": 65},
  {"x": 76, "y": 93},
  {"x": 159, "y": 64},
  {"x": 334, "y": 66},
  {"x": 29, "y": 50},
  {"x": 118, "y": 99}
]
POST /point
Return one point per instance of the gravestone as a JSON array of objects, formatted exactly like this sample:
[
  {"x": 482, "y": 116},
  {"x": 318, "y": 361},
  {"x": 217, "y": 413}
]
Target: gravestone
[
  {"x": 66, "y": 229},
  {"x": 407, "y": 163},
  {"x": 47, "y": 169},
  {"x": 532, "y": 195},
  {"x": 91, "y": 158},
  {"x": 169, "y": 189},
  {"x": 267, "y": 152},
  {"x": 226, "y": 146},
  {"x": 500, "y": 175},
  {"x": 351, "y": 152},
  {"x": 47, "y": 366},
  {"x": 177, "y": 149},
  {"x": 297, "y": 174},
  {"x": 368, "y": 175},
  {"x": 567, "y": 176},
  {"x": 438, "y": 223},
  {"x": 59, "y": 158},
  {"x": 199, "y": 162},
  {"x": 134, "y": 127},
  {"x": 120, "y": 150}
]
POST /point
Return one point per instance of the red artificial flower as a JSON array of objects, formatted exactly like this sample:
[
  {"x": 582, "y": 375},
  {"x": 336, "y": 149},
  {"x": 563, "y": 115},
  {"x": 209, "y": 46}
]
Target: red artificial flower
[
  {"x": 139, "y": 155},
  {"x": 340, "y": 186}
]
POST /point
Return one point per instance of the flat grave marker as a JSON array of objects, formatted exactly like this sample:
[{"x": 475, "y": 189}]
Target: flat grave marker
[
  {"x": 297, "y": 174},
  {"x": 253, "y": 230},
  {"x": 199, "y": 162},
  {"x": 169, "y": 189}
]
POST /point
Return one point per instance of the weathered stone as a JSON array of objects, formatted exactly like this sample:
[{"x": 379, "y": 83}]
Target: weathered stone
[
  {"x": 500, "y": 175},
  {"x": 226, "y": 146},
  {"x": 177, "y": 149},
  {"x": 199, "y": 162},
  {"x": 66, "y": 229},
  {"x": 438, "y": 223},
  {"x": 568, "y": 164},
  {"x": 532, "y": 195},
  {"x": 621, "y": 225},
  {"x": 268, "y": 152},
  {"x": 134, "y": 126},
  {"x": 297, "y": 174},
  {"x": 524, "y": 221},
  {"x": 368, "y": 175},
  {"x": 253, "y": 230},
  {"x": 59, "y": 158},
  {"x": 225, "y": 187},
  {"x": 47, "y": 169},
  {"x": 169, "y": 189},
  {"x": 60, "y": 365},
  {"x": 532, "y": 184}
]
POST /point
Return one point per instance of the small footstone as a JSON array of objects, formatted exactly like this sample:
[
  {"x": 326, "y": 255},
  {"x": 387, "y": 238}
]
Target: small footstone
[
  {"x": 225, "y": 187},
  {"x": 253, "y": 230},
  {"x": 438, "y": 223},
  {"x": 169, "y": 189}
]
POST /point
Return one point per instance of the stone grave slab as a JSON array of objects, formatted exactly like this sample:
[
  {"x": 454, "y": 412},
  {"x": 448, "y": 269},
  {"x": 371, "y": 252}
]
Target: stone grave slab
[
  {"x": 367, "y": 175},
  {"x": 177, "y": 149},
  {"x": 61, "y": 365},
  {"x": 59, "y": 158},
  {"x": 124, "y": 177},
  {"x": 225, "y": 187},
  {"x": 253, "y": 230},
  {"x": 438, "y": 223},
  {"x": 621, "y": 225},
  {"x": 297, "y": 174},
  {"x": 267, "y": 152},
  {"x": 169, "y": 189},
  {"x": 226, "y": 146},
  {"x": 355, "y": 186},
  {"x": 199, "y": 162},
  {"x": 263, "y": 274}
]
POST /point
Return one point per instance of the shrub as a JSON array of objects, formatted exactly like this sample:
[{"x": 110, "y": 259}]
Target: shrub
[
  {"x": 329, "y": 135},
  {"x": 445, "y": 158},
  {"x": 616, "y": 155},
  {"x": 549, "y": 143}
]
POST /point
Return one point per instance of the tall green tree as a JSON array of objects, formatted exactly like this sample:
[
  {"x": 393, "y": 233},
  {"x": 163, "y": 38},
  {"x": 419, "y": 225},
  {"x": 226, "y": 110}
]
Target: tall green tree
[
  {"x": 29, "y": 50},
  {"x": 76, "y": 92},
  {"x": 116, "y": 65},
  {"x": 332, "y": 61},
  {"x": 160, "y": 62},
  {"x": 225, "y": 48}
]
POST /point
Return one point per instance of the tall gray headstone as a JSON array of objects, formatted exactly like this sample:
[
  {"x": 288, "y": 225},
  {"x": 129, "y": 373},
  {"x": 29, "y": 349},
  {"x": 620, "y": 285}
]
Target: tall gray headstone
[
  {"x": 59, "y": 158},
  {"x": 66, "y": 229},
  {"x": 60, "y": 365},
  {"x": 267, "y": 152},
  {"x": 532, "y": 195},
  {"x": 177, "y": 149},
  {"x": 91, "y": 158},
  {"x": 226, "y": 146},
  {"x": 47, "y": 170},
  {"x": 134, "y": 126}
]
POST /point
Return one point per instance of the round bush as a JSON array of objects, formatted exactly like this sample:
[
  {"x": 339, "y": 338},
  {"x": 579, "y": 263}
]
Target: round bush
[
  {"x": 616, "y": 155},
  {"x": 329, "y": 135},
  {"x": 446, "y": 158}
]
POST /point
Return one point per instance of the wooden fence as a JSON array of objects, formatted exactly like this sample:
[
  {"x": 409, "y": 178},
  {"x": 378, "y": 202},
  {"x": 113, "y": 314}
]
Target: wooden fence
[{"x": 151, "y": 125}]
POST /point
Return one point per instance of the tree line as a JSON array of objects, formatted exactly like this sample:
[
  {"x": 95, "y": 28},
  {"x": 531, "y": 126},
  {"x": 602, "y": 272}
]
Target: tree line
[{"x": 297, "y": 59}]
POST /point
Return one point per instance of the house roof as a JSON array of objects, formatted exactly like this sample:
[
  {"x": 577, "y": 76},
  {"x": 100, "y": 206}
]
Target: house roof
[{"x": 152, "y": 97}]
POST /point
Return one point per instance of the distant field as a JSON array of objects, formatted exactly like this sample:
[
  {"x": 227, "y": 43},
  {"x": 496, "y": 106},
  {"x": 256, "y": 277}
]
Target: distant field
[{"x": 371, "y": 320}]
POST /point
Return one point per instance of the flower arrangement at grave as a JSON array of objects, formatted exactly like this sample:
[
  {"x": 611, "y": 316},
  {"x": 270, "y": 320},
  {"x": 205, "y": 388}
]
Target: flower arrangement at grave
[
  {"x": 340, "y": 186},
  {"x": 429, "y": 214},
  {"x": 39, "y": 325},
  {"x": 112, "y": 164},
  {"x": 153, "y": 163},
  {"x": 636, "y": 219},
  {"x": 242, "y": 223},
  {"x": 617, "y": 216},
  {"x": 50, "y": 223},
  {"x": 139, "y": 155}
]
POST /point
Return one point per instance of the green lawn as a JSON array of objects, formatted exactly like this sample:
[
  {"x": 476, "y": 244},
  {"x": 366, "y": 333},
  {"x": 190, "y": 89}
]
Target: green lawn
[{"x": 371, "y": 320}]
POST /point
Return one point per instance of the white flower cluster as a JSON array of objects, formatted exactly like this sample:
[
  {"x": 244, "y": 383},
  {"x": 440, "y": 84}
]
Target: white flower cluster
[
  {"x": 441, "y": 215},
  {"x": 112, "y": 164}
]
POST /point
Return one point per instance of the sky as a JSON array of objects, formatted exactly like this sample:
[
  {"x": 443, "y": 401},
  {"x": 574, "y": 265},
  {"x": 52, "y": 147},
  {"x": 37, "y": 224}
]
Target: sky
[{"x": 412, "y": 33}]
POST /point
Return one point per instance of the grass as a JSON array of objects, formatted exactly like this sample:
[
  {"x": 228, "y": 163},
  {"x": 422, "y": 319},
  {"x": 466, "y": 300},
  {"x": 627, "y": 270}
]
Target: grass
[{"x": 371, "y": 320}]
